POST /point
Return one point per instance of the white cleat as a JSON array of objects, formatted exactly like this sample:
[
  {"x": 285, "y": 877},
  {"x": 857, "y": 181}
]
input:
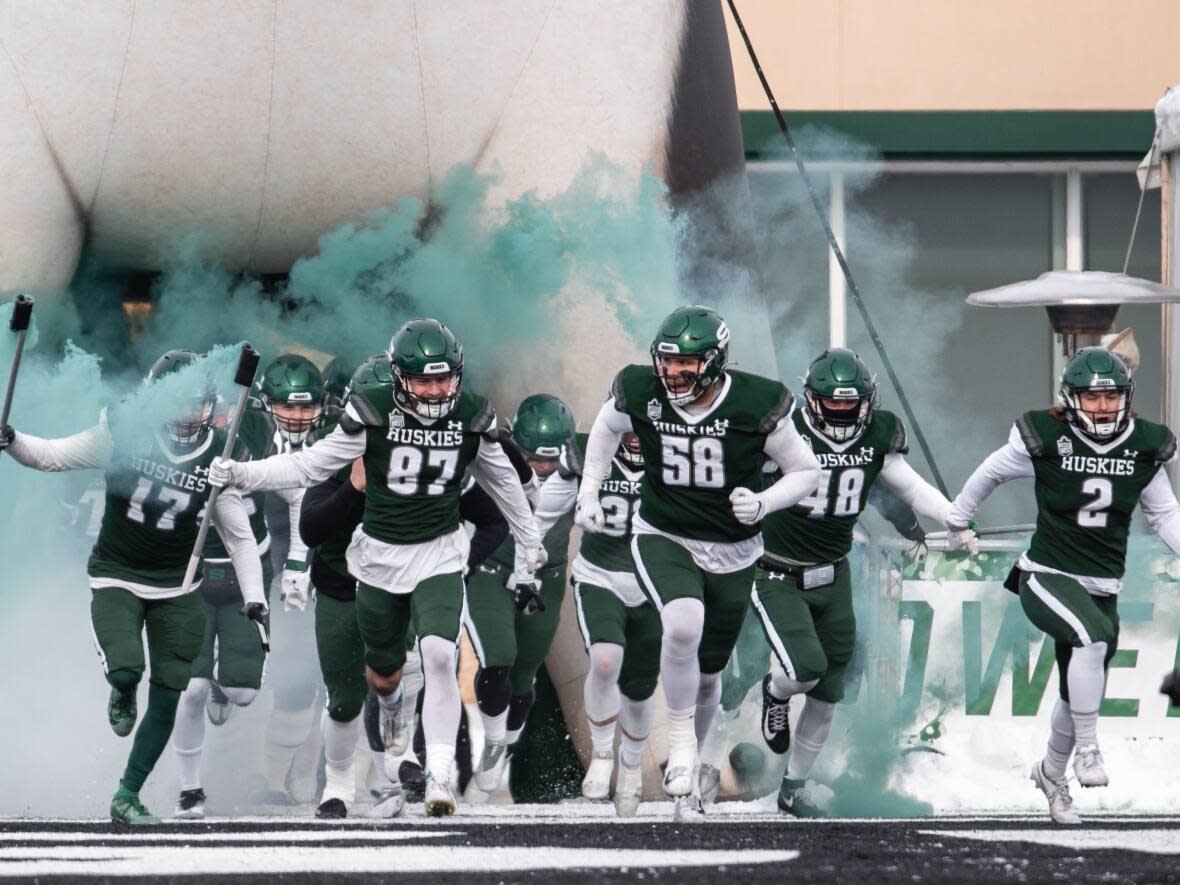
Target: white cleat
[
  {"x": 596, "y": 783},
  {"x": 1088, "y": 766},
  {"x": 395, "y": 733},
  {"x": 1057, "y": 792},
  {"x": 680, "y": 773},
  {"x": 439, "y": 800},
  {"x": 190, "y": 805},
  {"x": 689, "y": 809},
  {"x": 492, "y": 762},
  {"x": 389, "y": 803},
  {"x": 628, "y": 790}
]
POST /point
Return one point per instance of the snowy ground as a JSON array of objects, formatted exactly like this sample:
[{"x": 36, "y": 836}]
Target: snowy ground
[{"x": 587, "y": 844}]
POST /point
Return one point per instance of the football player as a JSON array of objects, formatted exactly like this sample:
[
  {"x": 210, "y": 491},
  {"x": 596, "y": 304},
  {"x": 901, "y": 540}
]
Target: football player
[
  {"x": 511, "y": 614},
  {"x": 803, "y": 590},
  {"x": 704, "y": 432},
  {"x": 154, "y": 493},
  {"x": 418, "y": 431},
  {"x": 1092, "y": 461}
]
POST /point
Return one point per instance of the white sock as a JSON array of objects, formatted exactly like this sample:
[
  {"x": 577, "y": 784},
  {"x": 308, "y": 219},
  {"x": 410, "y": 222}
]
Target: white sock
[
  {"x": 389, "y": 702},
  {"x": 377, "y": 757},
  {"x": 783, "y": 686},
  {"x": 708, "y": 700},
  {"x": 441, "y": 705},
  {"x": 811, "y": 731},
  {"x": 601, "y": 693},
  {"x": 681, "y": 733},
  {"x": 495, "y": 728},
  {"x": 411, "y": 685},
  {"x": 339, "y": 755},
  {"x": 511, "y": 736},
  {"x": 683, "y": 620},
  {"x": 1086, "y": 678},
  {"x": 1060, "y": 741},
  {"x": 188, "y": 734},
  {"x": 635, "y": 724}
]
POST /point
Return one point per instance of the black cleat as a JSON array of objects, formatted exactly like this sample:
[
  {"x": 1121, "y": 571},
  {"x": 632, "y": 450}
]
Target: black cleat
[
  {"x": 776, "y": 729},
  {"x": 332, "y": 809},
  {"x": 798, "y": 798},
  {"x": 191, "y": 805}
]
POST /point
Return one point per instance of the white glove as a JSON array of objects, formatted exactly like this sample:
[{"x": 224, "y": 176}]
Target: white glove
[
  {"x": 221, "y": 472},
  {"x": 534, "y": 559},
  {"x": 748, "y": 507},
  {"x": 962, "y": 539},
  {"x": 588, "y": 515},
  {"x": 296, "y": 588}
]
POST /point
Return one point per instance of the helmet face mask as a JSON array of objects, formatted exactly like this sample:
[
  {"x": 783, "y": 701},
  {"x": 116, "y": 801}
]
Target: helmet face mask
[
  {"x": 191, "y": 427},
  {"x": 427, "y": 366},
  {"x": 187, "y": 427},
  {"x": 1096, "y": 370},
  {"x": 840, "y": 394},
  {"x": 293, "y": 392},
  {"x": 542, "y": 426},
  {"x": 690, "y": 353},
  {"x": 629, "y": 452}
]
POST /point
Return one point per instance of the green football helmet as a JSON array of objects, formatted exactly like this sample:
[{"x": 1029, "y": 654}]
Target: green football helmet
[
  {"x": 424, "y": 353},
  {"x": 692, "y": 331},
  {"x": 839, "y": 376},
  {"x": 292, "y": 390},
  {"x": 337, "y": 374},
  {"x": 542, "y": 425},
  {"x": 373, "y": 373},
  {"x": 1096, "y": 370},
  {"x": 190, "y": 426}
]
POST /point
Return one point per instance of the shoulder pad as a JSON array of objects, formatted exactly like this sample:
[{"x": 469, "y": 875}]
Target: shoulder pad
[
  {"x": 569, "y": 465},
  {"x": 350, "y": 425},
  {"x": 484, "y": 421},
  {"x": 362, "y": 411},
  {"x": 899, "y": 442},
  {"x": 782, "y": 409},
  {"x": 1026, "y": 427},
  {"x": 1167, "y": 449}
]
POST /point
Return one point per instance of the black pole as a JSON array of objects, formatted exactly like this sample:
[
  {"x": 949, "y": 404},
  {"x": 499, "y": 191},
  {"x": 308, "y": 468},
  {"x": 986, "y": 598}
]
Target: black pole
[{"x": 853, "y": 290}]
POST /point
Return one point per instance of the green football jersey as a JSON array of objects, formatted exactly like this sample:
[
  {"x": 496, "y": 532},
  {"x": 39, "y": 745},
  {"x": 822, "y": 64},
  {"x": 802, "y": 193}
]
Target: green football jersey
[
  {"x": 153, "y": 502},
  {"x": 618, "y": 494},
  {"x": 332, "y": 552},
  {"x": 556, "y": 544},
  {"x": 1087, "y": 491},
  {"x": 414, "y": 468},
  {"x": 819, "y": 528},
  {"x": 692, "y": 464},
  {"x": 256, "y": 435}
]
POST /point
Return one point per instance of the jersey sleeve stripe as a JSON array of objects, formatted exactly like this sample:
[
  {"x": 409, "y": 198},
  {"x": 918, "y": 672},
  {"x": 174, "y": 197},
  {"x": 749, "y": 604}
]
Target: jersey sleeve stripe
[
  {"x": 900, "y": 442},
  {"x": 616, "y": 392},
  {"x": 485, "y": 421},
  {"x": 364, "y": 411},
  {"x": 1168, "y": 450},
  {"x": 782, "y": 410},
  {"x": 1028, "y": 434}
]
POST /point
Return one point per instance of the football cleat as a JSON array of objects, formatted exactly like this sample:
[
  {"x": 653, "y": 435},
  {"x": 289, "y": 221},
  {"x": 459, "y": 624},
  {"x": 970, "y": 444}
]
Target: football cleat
[
  {"x": 709, "y": 783},
  {"x": 121, "y": 711},
  {"x": 332, "y": 809},
  {"x": 803, "y": 799},
  {"x": 218, "y": 707},
  {"x": 127, "y": 809},
  {"x": 492, "y": 762},
  {"x": 1057, "y": 792},
  {"x": 395, "y": 734},
  {"x": 776, "y": 726},
  {"x": 1088, "y": 766},
  {"x": 439, "y": 800},
  {"x": 596, "y": 783},
  {"x": 191, "y": 805},
  {"x": 389, "y": 803},
  {"x": 680, "y": 773},
  {"x": 628, "y": 790},
  {"x": 688, "y": 809}
]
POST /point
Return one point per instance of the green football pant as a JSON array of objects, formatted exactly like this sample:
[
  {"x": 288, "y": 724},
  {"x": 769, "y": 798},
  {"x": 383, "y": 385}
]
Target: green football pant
[
  {"x": 231, "y": 639},
  {"x": 342, "y": 657},
  {"x": 812, "y": 632},
  {"x": 667, "y": 572},
  {"x": 433, "y": 608},
  {"x": 1064, "y": 609},
  {"x": 505, "y": 637},
  {"x": 175, "y": 629},
  {"x": 603, "y": 617}
]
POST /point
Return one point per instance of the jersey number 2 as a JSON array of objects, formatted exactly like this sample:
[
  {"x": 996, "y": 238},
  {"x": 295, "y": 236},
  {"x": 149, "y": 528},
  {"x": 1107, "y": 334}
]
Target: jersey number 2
[{"x": 1092, "y": 514}]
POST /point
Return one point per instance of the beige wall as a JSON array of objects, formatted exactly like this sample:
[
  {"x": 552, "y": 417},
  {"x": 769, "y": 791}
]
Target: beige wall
[{"x": 959, "y": 54}]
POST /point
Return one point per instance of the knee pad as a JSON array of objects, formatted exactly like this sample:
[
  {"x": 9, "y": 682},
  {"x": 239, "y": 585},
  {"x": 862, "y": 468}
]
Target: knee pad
[
  {"x": 196, "y": 694},
  {"x": 124, "y": 680},
  {"x": 493, "y": 690},
  {"x": 438, "y": 657},
  {"x": 240, "y": 697},
  {"x": 345, "y": 701},
  {"x": 683, "y": 621},
  {"x": 606, "y": 659}
]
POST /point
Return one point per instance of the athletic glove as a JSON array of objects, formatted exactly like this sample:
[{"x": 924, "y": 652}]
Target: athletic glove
[
  {"x": 917, "y": 551},
  {"x": 7, "y": 436},
  {"x": 534, "y": 559},
  {"x": 1171, "y": 687},
  {"x": 962, "y": 538},
  {"x": 527, "y": 596},
  {"x": 748, "y": 507},
  {"x": 588, "y": 515},
  {"x": 221, "y": 472},
  {"x": 296, "y": 585},
  {"x": 257, "y": 612}
]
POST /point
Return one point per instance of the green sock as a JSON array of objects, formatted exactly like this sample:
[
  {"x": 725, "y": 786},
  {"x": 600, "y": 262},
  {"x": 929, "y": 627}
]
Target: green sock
[{"x": 151, "y": 736}]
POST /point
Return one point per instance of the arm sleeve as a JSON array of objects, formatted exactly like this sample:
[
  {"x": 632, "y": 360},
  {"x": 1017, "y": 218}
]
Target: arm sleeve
[
  {"x": 296, "y": 549},
  {"x": 92, "y": 448},
  {"x": 477, "y": 507},
  {"x": 1162, "y": 510},
  {"x": 900, "y": 514},
  {"x": 905, "y": 482},
  {"x": 600, "y": 447},
  {"x": 557, "y": 498},
  {"x": 233, "y": 525},
  {"x": 307, "y": 467},
  {"x": 1012, "y": 461},
  {"x": 798, "y": 463},
  {"x": 495, "y": 473},
  {"x": 328, "y": 508}
]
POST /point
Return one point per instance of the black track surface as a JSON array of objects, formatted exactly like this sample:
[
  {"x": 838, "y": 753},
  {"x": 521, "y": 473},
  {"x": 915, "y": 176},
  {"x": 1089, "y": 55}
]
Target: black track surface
[{"x": 846, "y": 851}]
